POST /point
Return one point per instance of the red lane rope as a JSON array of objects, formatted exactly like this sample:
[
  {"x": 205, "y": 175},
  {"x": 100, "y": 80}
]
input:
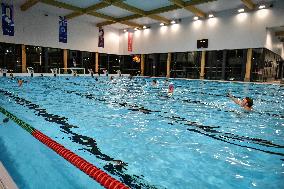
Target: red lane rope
[{"x": 100, "y": 176}]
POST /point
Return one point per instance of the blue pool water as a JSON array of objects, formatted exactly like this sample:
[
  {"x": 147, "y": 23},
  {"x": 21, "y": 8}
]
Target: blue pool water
[{"x": 198, "y": 138}]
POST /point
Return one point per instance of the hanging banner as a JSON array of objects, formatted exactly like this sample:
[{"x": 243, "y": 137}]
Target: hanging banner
[
  {"x": 62, "y": 29},
  {"x": 101, "y": 42},
  {"x": 130, "y": 41},
  {"x": 7, "y": 19}
]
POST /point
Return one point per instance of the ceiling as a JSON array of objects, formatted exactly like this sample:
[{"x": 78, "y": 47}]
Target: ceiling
[{"x": 122, "y": 14}]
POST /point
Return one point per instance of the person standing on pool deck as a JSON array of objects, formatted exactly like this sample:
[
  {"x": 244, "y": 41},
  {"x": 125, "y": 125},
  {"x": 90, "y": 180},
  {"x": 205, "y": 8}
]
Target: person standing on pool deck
[{"x": 246, "y": 103}]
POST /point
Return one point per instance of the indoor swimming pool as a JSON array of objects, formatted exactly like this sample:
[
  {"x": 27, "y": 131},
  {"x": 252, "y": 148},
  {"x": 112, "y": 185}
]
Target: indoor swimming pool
[{"x": 196, "y": 138}]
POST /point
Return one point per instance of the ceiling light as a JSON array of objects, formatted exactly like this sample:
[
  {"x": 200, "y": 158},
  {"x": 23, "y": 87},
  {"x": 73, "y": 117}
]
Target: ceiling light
[
  {"x": 261, "y": 6},
  {"x": 144, "y": 27},
  {"x": 125, "y": 30},
  {"x": 162, "y": 24},
  {"x": 136, "y": 29},
  {"x": 173, "y": 22},
  {"x": 210, "y": 15},
  {"x": 241, "y": 10},
  {"x": 195, "y": 18}
]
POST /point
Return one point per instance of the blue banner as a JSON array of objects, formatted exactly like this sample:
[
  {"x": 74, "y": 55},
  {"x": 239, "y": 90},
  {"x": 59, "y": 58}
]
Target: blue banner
[
  {"x": 62, "y": 29},
  {"x": 7, "y": 19}
]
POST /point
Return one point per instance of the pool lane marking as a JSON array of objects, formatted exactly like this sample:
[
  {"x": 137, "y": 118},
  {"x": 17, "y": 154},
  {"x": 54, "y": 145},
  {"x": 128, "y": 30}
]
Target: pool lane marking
[
  {"x": 133, "y": 181},
  {"x": 92, "y": 171}
]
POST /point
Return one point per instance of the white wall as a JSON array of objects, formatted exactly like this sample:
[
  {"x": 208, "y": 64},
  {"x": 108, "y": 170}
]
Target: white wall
[
  {"x": 227, "y": 30},
  {"x": 33, "y": 28},
  {"x": 272, "y": 43}
]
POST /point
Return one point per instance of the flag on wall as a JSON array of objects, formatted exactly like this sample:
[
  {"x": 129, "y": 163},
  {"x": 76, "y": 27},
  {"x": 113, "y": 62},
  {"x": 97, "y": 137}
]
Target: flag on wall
[
  {"x": 7, "y": 19},
  {"x": 130, "y": 41},
  {"x": 62, "y": 29},
  {"x": 101, "y": 42}
]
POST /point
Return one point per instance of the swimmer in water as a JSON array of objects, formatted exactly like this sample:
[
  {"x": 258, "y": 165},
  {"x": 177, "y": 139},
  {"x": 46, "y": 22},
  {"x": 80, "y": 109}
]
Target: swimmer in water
[
  {"x": 20, "y": 82},
  {"x": 171, "y": 90},
  {"x": 246, "y": 103},
  {"x": 5, "y": 120},
  {"x": 154, "y": 83}
]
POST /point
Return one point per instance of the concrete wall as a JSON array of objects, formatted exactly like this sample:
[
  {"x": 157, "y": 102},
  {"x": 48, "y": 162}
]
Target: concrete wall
[
  {"x": 273, "y": 43},
  {"x": 34, "y": 28},
  {"x": 227, "y": 30}
]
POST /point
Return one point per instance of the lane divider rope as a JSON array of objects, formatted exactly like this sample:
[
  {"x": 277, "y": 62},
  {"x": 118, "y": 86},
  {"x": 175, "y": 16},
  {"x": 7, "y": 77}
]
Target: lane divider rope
[{"x": 92, "y": 171}]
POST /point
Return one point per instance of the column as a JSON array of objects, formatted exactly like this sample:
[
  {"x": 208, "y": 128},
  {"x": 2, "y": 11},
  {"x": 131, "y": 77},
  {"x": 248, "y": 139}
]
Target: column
[
  {"x": 202, "y": 64},
  {"x": 24, "y": 59},
  {"x": 65, "y": 60},
  {"x": 224, "y": 64},
  {"x": 97, "y": 63},
  {"x": 142, "y": 64},
  {"x": 169, "y": 59},
  {"x": 248, "y": 65}
]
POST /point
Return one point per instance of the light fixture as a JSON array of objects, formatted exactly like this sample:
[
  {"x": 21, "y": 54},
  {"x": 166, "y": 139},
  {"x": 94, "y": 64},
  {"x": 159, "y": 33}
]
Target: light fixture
[
  {"x": 210, "y": 15},
  {"x": 136, "y": 29},
  {"x": 173, "y": 22},
  {"x": 125, "y": 30},
  {"x": 241, "y": 10},
  {"x": 261, "y": 7},
  {"x": 144, "y": 27},
  {"x": 195, "y": 18},
  {"x": 162, "y": 24}
]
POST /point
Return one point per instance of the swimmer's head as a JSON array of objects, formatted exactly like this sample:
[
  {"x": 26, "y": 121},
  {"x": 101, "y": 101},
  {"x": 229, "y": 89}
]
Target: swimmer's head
[
  {"x": 247, "y": 102},
  {"x": 171, "y": 88}
]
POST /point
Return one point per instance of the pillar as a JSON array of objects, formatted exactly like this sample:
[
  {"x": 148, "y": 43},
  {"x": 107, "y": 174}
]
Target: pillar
[
  {"x": 142, "y": 64},
  {"x": 65, "y": 60},
  {"x": 248, "y": 65},
  {"x": 24, "y": 59},
  {"x": 224, "y": 64},
  {"x": 97, "y": 63},
  {"x": 202, "y": 64},
  {"x": 169, "y": 59}
]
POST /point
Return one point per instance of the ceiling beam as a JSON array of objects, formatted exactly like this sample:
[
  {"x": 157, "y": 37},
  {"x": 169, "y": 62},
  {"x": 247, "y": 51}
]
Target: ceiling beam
[
  {"x": 156, "y": 11},
  {"x": 61, "y": 5},
  {"x": 190, "y": 8},
  {"x": 138, "y": 11},
  {"x": 279, "y": 34},
  {"x": 78, "y": 11},
  {"x": 89, "y": 9},
  {"x": 28, "y": 4},
  {"x": 249, "y": 4}
]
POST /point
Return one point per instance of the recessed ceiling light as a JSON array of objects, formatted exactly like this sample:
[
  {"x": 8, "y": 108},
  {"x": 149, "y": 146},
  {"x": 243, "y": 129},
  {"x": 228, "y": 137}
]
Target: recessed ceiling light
[
  {"x": 261, "y": 6},
  {"x": 210, "y": 15},
  {"x": 173, "y": 22},
  {"x": 195, "y": 18},
  {"x": 162, "y": 24},
  {"x": 241, "y": 10},
  {"x": 125, "y": 30},
  {"x": 144, "y": 27}
]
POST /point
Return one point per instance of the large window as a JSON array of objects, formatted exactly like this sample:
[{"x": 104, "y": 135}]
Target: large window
[
  {"x": 156, "y": 64},
  {"x": 186, "y": 65},
  {"x": 128, "y": 66},
  {"x": 235, "y": 64},
  {"x": 11, "y": 57},
  {"x": 213, "y": 65},
  {"x": 55, "y": 58}
]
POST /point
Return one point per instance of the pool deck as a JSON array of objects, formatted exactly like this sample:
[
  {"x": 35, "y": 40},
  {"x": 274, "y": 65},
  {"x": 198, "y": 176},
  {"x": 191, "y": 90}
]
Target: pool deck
[
  {"x": 277, "y": 82},
  {"x": 6, "y": 181}
]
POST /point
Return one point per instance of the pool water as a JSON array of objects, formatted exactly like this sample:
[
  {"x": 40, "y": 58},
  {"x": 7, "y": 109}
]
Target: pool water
[{"x": 197, "y": 138}]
